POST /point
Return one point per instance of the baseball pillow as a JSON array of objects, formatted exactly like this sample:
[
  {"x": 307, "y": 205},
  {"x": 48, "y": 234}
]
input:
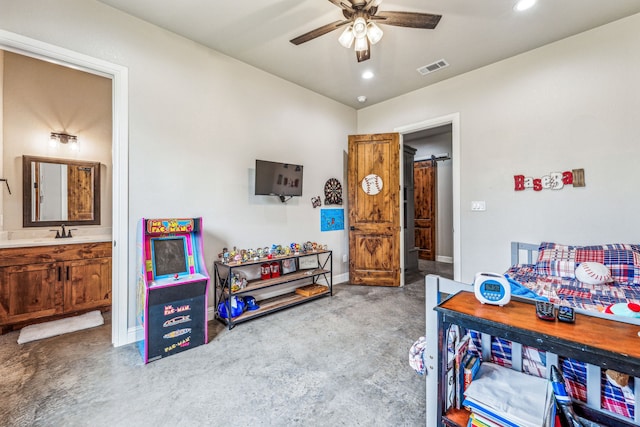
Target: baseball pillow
[{"x": 593, "y": 273}]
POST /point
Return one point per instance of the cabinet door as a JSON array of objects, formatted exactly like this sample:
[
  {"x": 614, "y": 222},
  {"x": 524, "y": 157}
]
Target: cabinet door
[
  {"x": 30, "y": 292},
  {"x": 87, "y": 284}
]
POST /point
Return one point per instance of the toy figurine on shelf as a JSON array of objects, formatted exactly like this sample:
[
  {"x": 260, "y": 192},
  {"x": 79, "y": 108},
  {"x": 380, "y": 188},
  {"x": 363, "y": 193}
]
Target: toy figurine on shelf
[
  {"x": 238, "y": 282},
  {"x": 308, "y": 247},
  {"x": 235, "y": 286}
]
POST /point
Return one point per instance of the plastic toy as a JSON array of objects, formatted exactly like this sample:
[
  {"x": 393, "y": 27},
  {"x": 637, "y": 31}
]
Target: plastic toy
[
  {"x": 624, "y": 309},
  {"x": 237, "y": 307}
]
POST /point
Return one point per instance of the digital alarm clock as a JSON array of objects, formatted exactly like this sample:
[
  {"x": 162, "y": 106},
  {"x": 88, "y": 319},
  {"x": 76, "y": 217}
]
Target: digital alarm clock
[{"x": 492, "y": 288}]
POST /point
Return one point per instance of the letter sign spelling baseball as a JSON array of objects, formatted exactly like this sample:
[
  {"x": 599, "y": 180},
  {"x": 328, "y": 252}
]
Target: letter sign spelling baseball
[
  {"x": 372, "y": 184},
  {"x": 553, "y": 181}
]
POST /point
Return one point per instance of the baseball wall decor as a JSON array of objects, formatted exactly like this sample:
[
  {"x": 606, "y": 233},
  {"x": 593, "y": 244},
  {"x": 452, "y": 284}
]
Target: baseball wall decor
[
  {"x": 553, "y": 181},
  {"x": 372, "y": 184}
]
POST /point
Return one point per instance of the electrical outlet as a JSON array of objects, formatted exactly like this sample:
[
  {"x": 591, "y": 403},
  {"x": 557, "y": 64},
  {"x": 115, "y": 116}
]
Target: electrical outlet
[{"x": 478, "y": 206}]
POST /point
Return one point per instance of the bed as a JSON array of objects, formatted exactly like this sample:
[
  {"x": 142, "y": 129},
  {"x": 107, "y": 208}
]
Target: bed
[{"x": 548, "y": 269}]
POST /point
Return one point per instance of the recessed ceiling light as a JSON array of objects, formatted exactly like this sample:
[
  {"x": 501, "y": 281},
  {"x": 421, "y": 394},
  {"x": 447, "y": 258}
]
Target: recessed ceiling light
[
  {"x": 524, "y": 5},
  {"x": 362, "y": 98},
  {"x": 367, "y": 75}
]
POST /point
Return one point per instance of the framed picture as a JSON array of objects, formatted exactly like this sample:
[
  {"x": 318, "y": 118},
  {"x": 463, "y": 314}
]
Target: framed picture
[
  {"x": 288, "y": 266},
  {"x": 331, "y": 219},
  {"x": 308, "y": 262}
]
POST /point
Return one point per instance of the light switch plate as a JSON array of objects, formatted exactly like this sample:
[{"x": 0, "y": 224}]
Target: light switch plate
[{"x": 478, "y": 205}]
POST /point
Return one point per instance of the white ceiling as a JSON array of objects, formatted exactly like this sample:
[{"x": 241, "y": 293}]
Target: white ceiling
[{"x": 471, "y": 34}]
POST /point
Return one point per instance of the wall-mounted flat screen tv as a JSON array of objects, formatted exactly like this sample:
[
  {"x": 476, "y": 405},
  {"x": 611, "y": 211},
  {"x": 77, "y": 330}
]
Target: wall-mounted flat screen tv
[{"x": 278, "y": 179}]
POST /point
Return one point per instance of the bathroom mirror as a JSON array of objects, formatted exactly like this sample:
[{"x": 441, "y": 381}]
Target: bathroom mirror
[{"x": 60, "y": 191}]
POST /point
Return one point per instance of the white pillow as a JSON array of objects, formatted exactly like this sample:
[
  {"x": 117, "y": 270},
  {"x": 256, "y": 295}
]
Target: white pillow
[{"x": 593, "y": 273}]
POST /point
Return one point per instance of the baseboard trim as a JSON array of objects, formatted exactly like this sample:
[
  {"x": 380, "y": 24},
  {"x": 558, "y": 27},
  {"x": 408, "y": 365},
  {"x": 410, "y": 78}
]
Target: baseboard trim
[
  {"x": 341, "y": 278},
  {"x": 447, "y": 259}
]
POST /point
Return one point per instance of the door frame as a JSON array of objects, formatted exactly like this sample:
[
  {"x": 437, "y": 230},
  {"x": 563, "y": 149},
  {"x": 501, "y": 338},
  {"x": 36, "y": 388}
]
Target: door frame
[
  {"x": 119, "y": 76},
  {"x": 453, "y": 120}
]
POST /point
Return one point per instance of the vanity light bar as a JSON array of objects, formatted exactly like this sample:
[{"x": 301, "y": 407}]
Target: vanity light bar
[{"x": 63, "y": 138}]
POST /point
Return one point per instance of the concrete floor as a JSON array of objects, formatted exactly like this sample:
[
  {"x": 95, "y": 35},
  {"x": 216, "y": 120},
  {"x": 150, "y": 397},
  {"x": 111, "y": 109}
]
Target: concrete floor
[{"x": 339, "y": 361}]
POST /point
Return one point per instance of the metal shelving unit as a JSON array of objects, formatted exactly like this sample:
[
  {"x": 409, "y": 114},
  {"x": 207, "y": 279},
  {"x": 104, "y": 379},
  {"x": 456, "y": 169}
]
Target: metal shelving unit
[{"x": 224, "y": 272}]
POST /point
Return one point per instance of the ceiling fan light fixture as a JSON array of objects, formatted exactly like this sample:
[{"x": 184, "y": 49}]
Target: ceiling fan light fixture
[
  {"x": 361, "y": 44},
  {"x": 360, "y": 27},
  {"x": 374, "y": 32},
  {"x": 347, "y": 37}
]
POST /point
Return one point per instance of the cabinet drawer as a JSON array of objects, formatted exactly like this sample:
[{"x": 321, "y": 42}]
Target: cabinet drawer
[{"x": 54, "y": 253}]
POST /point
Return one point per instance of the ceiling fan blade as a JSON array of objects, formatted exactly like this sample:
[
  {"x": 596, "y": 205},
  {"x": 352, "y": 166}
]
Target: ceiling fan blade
[
  {"x": 343, "y": 5},
  {"x": 318, "y": 32},
  {"x": 372, "y": 6},
  {"x": 408, "y": 19}
]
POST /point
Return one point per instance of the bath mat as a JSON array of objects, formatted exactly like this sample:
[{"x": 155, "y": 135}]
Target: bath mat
[{"x": 59, "y": 327}]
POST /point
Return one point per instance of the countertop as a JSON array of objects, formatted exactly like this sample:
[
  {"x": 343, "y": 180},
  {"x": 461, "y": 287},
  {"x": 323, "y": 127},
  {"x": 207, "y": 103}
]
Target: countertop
[{"x": 51, "y": 241}]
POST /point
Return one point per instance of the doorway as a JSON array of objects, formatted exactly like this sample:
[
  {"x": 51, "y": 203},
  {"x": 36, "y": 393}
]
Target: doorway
[
  {"x": 439, "y": 139},
  {"x": 119, "y": 75}
]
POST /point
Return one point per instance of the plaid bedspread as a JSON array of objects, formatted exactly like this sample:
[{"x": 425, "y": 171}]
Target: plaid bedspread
[
  {"x": 572, "y": 292},
  {"x": 619, "y": 400}
]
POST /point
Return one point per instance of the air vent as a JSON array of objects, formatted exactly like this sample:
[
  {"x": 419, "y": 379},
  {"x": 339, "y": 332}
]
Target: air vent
[{"x": 434, "y": 66}]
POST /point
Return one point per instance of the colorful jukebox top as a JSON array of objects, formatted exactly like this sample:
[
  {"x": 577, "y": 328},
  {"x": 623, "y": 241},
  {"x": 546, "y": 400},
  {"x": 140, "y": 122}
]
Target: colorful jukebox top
[{"x": 171, "y": 250}]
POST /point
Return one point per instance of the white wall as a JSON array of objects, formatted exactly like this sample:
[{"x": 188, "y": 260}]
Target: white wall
[
  {"x": 197, "y": 122},
  {"x": 571, "y": 104}
]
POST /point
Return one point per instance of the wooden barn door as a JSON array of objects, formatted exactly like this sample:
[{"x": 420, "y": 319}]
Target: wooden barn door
[
  {"x": 80, "y": 193},
  {"x": 425, "y": 176},
  {"x": 374, "y": 209}
]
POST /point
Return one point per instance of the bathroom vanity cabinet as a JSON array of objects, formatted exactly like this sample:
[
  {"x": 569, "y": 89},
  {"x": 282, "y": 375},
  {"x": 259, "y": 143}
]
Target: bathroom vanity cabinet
[{"x": 39, "y": 283}]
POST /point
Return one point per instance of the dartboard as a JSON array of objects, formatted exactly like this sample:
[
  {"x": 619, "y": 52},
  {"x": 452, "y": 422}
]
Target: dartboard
[{"x": 332, "y": 192}]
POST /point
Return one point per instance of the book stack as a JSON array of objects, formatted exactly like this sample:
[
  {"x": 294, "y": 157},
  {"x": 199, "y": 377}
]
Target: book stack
[
  {"x": 462, "y": 367},
  {"x": 502, "y": 397}
]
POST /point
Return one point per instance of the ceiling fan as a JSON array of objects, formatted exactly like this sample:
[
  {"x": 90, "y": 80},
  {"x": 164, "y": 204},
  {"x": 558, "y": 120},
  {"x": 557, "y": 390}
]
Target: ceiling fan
[{"x": 362, "y": 16}]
